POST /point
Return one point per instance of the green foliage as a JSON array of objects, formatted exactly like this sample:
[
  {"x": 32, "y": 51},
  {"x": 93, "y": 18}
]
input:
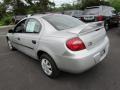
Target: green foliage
[
  {"x": 2, "y": 10},
  {"x": 88, "y": 3},
  {"x": 115, "y": 4},
  {"x": 68, "y": 7},
  {"x": 47, "y": 6},
  {"x": 20, "y": 8},
  {"x": 6, "y": 20}
]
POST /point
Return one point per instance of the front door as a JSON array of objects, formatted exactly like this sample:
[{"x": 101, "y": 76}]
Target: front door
[{"x": 18, "y": 30}]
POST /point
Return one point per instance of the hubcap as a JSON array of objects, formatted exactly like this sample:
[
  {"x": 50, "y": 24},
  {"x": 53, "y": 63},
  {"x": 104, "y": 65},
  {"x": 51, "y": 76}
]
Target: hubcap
[
  {"x": 46, "y": 66},
  {"x": 9, "y": 44}
]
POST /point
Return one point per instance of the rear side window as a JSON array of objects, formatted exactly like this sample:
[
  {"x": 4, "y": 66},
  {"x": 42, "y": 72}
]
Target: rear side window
[
  {"x": 91, "y": 11},
  {"x": 62, "y": 22}
]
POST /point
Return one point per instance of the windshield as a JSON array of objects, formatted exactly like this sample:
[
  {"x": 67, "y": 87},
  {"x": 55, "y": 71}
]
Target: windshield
[
  {"x": 62, "y": 22},
  {"x": 91, "y": 11}
]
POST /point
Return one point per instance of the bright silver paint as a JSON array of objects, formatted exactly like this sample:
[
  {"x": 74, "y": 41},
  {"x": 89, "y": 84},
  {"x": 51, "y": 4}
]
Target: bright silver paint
[{"x": 53, "y": 42}]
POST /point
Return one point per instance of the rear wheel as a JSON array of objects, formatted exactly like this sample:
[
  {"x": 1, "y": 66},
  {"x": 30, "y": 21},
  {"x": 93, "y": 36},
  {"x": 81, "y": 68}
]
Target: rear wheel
[{"x": 48, "y": 66}]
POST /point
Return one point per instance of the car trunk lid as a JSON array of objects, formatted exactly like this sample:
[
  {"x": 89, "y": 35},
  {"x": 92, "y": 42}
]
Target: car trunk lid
[{"x": 91, "y": 34}]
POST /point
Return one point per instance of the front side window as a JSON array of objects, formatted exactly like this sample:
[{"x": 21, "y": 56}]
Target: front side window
[
  {"x": 20, "y": 28},
  {"x": 63, "y": 22},
  {"x": 33, "y": 26}
]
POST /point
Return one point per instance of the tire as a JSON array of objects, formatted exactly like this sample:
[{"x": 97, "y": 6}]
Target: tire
[
  {"x": 10, "y": 45},
  {"x": 48, "y": 66},
  {"x": 106, "y": 25}
]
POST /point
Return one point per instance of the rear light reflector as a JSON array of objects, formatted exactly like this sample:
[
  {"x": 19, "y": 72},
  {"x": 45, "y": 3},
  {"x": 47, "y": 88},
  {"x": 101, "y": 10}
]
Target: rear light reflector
[{"x": 75, "y": 44}]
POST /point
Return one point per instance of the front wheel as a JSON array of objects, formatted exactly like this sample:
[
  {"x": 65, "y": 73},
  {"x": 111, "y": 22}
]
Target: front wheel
[
  {"x": 48, "y": 66},
  {"x": 10, "y": 45}
]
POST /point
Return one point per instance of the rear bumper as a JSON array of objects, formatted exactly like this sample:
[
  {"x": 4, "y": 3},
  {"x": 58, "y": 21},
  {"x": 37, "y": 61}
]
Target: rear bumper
[{"x": 84, "y": 60}]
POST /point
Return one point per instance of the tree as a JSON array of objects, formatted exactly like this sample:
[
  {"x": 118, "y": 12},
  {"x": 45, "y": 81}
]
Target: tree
[
  {"x": 51, "y": 4},
  {"x": 37, "y": 6},
  {"x": 2, "y": 10},
  {"x": 88, "y": 3},
  {"x": 40, "y": 6},
  {"x": 67, "y": 6},
  {"x": 115, "y": 4}
]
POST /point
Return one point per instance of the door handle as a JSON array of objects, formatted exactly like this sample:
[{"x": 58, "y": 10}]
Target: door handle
[
  {"x": 33, "y": 41},
  {"x": 18, "y": 38}
]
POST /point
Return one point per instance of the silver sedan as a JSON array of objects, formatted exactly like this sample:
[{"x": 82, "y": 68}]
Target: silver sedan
[{"x": 60, "y": 42}]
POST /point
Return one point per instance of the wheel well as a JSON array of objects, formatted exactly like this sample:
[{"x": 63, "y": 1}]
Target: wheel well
[{"x": 39, "y": 53}]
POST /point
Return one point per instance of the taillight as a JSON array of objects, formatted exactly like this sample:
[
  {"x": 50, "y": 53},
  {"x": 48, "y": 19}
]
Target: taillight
[
  {"x": 100, "y": 18},
  {"x": 75, "y": 44}
]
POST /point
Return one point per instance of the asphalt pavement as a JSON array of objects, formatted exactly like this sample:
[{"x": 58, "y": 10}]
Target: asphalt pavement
[{"x": 20, "y": 72}]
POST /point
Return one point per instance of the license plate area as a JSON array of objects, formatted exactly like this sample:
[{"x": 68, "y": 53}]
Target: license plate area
[{"x": 89, "y": 18}]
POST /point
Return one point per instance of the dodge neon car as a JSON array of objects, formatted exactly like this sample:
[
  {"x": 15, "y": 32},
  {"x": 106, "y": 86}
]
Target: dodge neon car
[{"x": 60, "y": 42}]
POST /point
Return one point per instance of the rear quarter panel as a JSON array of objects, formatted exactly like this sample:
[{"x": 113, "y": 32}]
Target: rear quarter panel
[{"x": 52, "y": 41}]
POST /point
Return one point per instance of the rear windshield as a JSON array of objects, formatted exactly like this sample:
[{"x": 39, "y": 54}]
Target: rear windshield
[
  {"x": 63, "y": 22},
  {"x": 91, "y": 11}
]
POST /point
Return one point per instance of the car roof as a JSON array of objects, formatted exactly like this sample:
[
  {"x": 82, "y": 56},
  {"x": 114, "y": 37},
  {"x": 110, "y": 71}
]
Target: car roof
[{"x": 42, "y": 15}]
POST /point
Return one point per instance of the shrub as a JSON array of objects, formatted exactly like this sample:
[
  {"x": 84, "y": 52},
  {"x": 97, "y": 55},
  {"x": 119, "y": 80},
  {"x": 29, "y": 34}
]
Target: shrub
[{"x": 6, "y": 20}]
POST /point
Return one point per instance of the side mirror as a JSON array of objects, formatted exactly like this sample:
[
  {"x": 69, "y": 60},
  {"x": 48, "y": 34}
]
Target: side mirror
[{"x": 11, "y": 31}]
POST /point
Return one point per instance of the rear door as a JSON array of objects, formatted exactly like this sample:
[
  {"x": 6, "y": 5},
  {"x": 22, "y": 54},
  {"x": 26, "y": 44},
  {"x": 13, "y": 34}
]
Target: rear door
[{"x": 30, "y": 38}]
